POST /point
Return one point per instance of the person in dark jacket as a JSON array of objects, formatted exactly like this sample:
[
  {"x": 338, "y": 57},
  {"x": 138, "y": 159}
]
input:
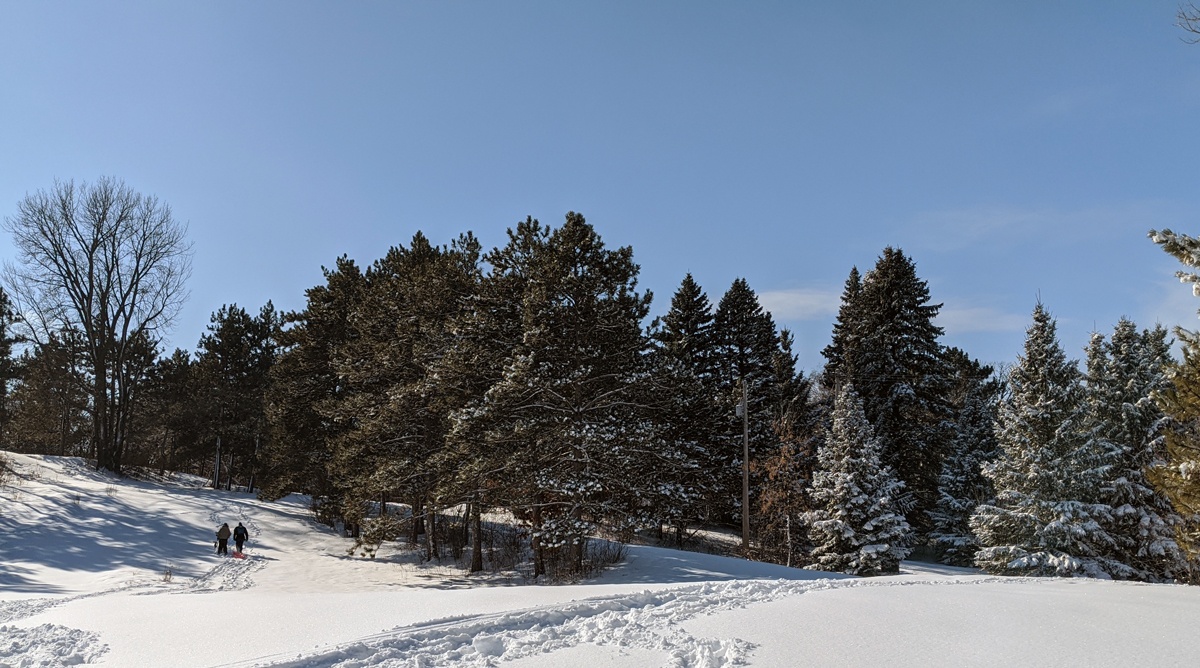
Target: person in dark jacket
[
  {"x": 240, "y": 536},
  {"x": 223, "y": 539}
]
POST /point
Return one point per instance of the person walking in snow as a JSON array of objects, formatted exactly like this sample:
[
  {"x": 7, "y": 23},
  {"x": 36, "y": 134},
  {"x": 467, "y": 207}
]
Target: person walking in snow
[
  {"x": 223, "y": 539},
  {"x": 240, "y": 536}
]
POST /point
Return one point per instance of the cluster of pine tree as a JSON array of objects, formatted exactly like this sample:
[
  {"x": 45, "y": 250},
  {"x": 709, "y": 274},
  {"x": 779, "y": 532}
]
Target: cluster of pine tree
[
  {"x": 532, "y": 388},
  {"x": 526, "y": 380}
]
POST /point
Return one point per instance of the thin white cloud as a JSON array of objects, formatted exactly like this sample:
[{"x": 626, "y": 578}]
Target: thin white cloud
[
  {"x": 1065, "y": 104},
  {"x": 964, "y": 319},
  {"x": 1175, "y": 305},
  {"x": 957, "y": 229},
  {"x": 800, "y": 303}
]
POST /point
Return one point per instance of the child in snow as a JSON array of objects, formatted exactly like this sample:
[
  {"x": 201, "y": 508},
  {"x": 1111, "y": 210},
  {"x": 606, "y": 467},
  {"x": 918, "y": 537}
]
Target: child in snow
[
  {"x": 240, "y": 535},
  {"x": 223, "y": 539}
]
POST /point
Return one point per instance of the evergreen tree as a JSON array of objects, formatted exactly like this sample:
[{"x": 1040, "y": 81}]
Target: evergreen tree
[
  {"x": 8, "y": 363},
  {"x": 840, "y": 353},
  {"x": 304, "y": 389},
  {"x": 858, "y": 527},
  {"x": 48, "y": 407},
  {"x": 886, "y": 344},
  {"x": 1177, "y": 475},
  {"x": 900, "y": 375},
  {"x": 400, "y": 329},
  {"x": 234, "y": 360},
  {"x": 784, "y": 478},
  {"x": 568, "y": 414},
  {"x": 747, "y": 345},
  {"x": 1123, "y": 374},
  {"x": 1047, "y": 517},
  {"x": 962, "y": 486},
  {"x": 174, "y": 424},
  {"x": 686, "y": 411}
]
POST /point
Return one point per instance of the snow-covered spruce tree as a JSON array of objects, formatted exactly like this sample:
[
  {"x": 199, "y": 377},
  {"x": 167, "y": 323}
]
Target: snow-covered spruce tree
[
  {"x": 1178, "y": 474},
  {"x": 1047, "y": 516},
  {"x": 962, "y": 486},
  {"x": 886, "y": 344},
  {"x": 1122, "y": 376},
  {"x": 857, "y": 527}
]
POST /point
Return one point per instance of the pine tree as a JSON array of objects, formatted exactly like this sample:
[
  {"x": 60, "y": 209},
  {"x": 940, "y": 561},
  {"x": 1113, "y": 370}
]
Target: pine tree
[
  {"x": 900, "y": 375},
  {"x": 234, "y": 360},
  {"x": 858, "y": 527},
  {"x": 1047, "y": 517},
  {"x": 567, "y": 418},
  {"x": 686, "y": 411},
  {"x": 305, "y": 389},
  {"x": 400, "y": 329},
  {"x": 962, "y": 486},
  {"x": 747, "y": 345},
  {"x": 1177, "y": 475},
  {"x": 886, "y": 344},
  {"x": 1122, "y": 376},
  {"x": 8, "y": 363},
  {"x": 48, "y": 406},
  {"x": 840, "y": 353}
]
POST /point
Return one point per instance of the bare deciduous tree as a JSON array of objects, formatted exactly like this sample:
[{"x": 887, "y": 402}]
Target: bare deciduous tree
[
  {"x": 1188, "y": 18},
  {"x": 111, "y": 264}
]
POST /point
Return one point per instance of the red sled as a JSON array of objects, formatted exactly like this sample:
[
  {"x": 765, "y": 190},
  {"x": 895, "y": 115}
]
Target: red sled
[{"x": 238, "y": 555}]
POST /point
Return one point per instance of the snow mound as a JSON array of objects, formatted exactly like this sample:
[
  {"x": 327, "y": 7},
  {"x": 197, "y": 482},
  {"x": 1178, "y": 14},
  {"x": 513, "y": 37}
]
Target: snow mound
[{"x": 48, "y": 646}]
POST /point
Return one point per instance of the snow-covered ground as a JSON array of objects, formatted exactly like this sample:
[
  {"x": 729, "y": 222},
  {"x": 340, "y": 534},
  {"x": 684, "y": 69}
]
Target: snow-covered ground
[{"x": 84, "y": 561}]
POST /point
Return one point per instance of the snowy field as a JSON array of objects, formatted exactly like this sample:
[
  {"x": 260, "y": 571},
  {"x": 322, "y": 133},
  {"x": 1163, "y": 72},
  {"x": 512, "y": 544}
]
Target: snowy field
[{"x": 83, "y": 579}]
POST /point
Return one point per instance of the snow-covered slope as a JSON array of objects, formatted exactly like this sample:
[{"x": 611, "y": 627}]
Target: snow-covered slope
[{"x": 84, "y": 562}]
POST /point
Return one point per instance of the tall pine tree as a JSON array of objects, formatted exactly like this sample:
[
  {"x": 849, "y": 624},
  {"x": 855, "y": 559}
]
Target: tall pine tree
[
  {"x": 886, "y": 345},
  {"x": 687, "y": 413},
  {"x": 1047, "y": 517},
  {"x": 747, "y": 346},
  {"x": 1123, "y": 374}
]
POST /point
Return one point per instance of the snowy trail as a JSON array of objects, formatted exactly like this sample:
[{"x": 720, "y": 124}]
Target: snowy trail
[
  {"x": 93, "y": 590},
  {"x": 647, "y": 620}
]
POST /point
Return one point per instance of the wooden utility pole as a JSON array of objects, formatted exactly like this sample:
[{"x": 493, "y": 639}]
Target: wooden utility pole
[{"x": 745, "y": 471}]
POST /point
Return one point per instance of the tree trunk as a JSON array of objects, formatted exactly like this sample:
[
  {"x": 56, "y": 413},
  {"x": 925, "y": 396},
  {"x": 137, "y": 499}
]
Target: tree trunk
[
  {"x": 217, "y": 469},
  {"x": 476, "y": 538},
  {"x": 539, "y": 557}
]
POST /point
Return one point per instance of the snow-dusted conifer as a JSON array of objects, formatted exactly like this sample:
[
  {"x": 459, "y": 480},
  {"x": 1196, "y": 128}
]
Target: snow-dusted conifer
[
  {"x": 962, "y": 486},
  {"x": 1046, "y": 519},
  {"x": 886, "y": 344},
  {"x": 1122, "y": 376},
  {"x": 1177, "y": 474},
  {"x": 858, "y": 528}
]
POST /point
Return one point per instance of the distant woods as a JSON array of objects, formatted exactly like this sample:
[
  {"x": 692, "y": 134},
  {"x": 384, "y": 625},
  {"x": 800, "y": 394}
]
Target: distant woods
[{"x": 454, "y": 382}]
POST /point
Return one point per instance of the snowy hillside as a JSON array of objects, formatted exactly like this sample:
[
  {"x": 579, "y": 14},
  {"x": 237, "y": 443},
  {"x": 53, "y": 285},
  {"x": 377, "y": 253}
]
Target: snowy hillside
[{"x": 122, "y": 573}]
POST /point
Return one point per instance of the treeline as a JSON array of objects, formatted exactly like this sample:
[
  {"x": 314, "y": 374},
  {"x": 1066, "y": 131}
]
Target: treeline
[{"x": 527, "y": 380}]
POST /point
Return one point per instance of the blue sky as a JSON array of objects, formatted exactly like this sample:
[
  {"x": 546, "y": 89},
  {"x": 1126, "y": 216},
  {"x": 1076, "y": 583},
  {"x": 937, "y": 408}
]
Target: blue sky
[{"x": 1015, "y": 151}]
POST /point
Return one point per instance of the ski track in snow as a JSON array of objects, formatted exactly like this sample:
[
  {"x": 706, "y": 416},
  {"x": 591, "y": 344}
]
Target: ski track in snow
[{"x": 646, "y": 620}]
